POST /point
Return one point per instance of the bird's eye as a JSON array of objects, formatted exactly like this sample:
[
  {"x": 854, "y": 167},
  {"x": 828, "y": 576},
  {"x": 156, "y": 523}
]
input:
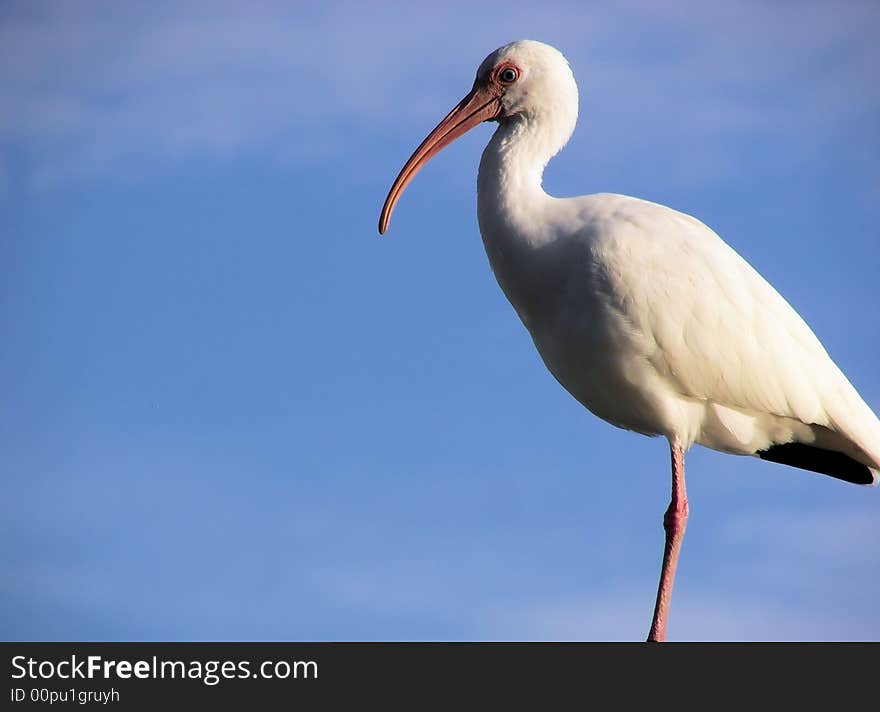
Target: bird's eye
[{"x": 508, "y": 76}]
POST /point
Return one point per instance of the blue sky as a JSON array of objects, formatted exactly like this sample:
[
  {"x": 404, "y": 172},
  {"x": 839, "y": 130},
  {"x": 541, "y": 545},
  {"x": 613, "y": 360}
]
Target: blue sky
[{"x": 231, "y": 411}]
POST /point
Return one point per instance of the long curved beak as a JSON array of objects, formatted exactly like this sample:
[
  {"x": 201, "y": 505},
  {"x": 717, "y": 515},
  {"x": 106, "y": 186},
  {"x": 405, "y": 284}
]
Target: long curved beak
[{"x": 482, "y": 104}]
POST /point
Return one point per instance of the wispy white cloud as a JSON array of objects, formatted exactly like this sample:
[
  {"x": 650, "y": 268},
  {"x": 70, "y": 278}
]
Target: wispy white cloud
[
  {"x": 85, "y": 87},
  {"x": 627, "y": 617},
  {"x": 811, "y": 555},
  {"x": 789, "y": 565}
]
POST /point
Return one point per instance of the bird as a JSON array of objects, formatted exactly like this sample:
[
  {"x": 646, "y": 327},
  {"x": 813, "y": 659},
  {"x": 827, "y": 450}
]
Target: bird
[{"x": 643, "y": 313}]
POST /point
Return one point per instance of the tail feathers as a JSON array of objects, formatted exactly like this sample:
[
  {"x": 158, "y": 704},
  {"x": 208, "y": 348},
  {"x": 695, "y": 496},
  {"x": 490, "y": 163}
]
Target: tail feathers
[{"x": 825, "y": 462}]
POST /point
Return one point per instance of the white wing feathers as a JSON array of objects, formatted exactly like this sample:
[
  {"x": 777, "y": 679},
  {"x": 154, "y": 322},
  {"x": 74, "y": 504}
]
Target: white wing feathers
[{"x": 718, "y": 332}]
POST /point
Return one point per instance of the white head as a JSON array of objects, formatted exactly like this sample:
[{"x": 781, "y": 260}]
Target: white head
[
  {"x": 535, "y": 81},
  {"x": 524, "y": 83}
]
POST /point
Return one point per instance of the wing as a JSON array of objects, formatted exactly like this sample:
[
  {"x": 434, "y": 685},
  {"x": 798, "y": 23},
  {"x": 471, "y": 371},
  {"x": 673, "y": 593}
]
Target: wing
[{"x": 717, "y": 331}]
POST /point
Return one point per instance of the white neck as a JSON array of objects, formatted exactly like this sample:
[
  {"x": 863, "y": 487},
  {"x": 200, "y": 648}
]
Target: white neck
[
  {"x": 516, "y": 216},
  {"x": 511, "y": 204}
]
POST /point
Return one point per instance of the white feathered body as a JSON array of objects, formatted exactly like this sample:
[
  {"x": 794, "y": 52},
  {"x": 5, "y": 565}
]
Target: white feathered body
[{"x": 656, "y": 325}]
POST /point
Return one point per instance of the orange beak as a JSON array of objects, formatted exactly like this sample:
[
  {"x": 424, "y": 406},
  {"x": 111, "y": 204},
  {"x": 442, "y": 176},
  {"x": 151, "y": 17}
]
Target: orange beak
[{"x": 482, "y": 104}]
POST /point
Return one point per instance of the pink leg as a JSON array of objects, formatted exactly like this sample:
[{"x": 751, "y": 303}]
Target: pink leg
[{"x": 674, "y": 522}]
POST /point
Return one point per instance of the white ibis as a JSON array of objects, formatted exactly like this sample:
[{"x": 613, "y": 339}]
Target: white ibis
[{"x": 641, "y": 312}]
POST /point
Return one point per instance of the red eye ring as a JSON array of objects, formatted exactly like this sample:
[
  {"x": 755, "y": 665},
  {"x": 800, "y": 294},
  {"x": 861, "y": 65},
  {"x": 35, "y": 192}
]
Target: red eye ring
[{"x": 507, "y": 75}]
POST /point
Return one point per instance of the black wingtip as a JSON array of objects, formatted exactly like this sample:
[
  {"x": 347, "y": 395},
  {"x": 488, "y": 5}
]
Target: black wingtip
[{"x": 816, "y": 459}]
